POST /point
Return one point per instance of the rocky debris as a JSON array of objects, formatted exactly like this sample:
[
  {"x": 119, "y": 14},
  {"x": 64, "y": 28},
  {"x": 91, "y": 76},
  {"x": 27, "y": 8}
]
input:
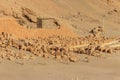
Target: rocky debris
[
  {"x": 29, "y": 15},
  {"x": 25, "y": 17},
  {"x": 96, "y": 32},
  {"x": 73, "y": 57},
  {"x": 113, "y": 11},
  {"x": 57, "y": 47},
  {"x": 28, "y": 18}
]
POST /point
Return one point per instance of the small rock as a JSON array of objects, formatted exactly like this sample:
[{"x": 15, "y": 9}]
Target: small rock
[
  {"x": 11, "y": 58},
  {"x": 73, "y": 59},
  {"x": 58, "y": 57}
]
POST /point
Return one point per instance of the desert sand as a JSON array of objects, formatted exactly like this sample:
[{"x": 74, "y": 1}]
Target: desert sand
[
  {"x": 98, "y": 68},
  {"x": 59, "y": 40}
]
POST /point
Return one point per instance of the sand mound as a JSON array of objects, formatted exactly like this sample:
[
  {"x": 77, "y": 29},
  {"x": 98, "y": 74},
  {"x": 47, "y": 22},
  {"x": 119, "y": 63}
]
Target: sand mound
[{"x": 9, "y": 25}]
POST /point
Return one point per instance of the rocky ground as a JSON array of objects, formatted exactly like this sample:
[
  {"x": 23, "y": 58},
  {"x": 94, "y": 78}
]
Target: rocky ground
[{"x": 58, "y": 47}]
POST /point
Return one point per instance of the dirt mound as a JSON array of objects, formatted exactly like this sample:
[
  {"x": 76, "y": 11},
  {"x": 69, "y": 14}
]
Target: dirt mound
[{"x": 9, "y": 25}]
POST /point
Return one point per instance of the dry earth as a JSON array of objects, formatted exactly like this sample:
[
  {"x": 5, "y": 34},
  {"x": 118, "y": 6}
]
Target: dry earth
[{"x": 98, "y": 68}]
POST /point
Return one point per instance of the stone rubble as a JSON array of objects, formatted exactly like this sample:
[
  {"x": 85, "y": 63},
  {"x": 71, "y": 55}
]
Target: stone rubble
[{"x": 58, "y": 47}]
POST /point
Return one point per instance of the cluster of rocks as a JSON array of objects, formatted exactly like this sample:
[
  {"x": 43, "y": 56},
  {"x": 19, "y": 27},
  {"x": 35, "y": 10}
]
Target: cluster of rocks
[
  {"x": 28, "y": 18},
  {"x": 12, "y": 49},
  {"x": 58, "y": 47}
]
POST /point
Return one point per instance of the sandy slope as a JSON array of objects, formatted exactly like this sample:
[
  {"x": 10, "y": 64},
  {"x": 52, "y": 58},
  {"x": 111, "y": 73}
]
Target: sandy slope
[
  {"x": 9, "y": 25},
  {"x": 90, "y": 15}
]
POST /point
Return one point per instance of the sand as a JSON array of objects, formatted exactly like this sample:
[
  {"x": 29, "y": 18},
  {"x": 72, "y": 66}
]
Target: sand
[
  {"x": 8, "y": 24},
  {"x": 98, "y": 68}
]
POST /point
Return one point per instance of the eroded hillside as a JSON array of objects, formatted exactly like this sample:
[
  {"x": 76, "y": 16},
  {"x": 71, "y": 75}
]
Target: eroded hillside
[{"x": 80, "y": 15}]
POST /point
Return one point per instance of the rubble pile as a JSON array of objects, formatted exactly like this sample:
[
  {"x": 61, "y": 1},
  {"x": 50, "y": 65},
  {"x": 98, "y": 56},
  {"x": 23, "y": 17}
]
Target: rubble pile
[{"x": 58, "y": 47}]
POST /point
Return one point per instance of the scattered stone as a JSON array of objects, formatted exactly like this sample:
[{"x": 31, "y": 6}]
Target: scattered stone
[
  {"x": 11, "y": 58},
  {"x": 73, "y": 58},
  {"x": 62, "y": 48}
]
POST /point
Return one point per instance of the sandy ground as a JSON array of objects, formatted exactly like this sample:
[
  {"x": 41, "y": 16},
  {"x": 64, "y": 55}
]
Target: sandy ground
[
  {"x": 22, "y": 32},
  {"x": 105, "y": 68}
]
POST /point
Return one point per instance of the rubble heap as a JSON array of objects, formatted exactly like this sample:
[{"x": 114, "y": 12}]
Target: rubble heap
[{"x": 58, "y": 47}]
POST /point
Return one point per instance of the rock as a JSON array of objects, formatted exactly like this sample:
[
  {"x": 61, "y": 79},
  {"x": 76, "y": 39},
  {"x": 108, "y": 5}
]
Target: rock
[
  {"x": 65, "y": 58},
  {"x": 101, "y": 49},
  {"x": 58, "y": 57},
  {"x": 28, "y": 11},
  {"x": 29, "y": 15},
  {"x": 3, "y": 55},
  {"x": 73, "y": 57},
  {"x": 109, "y": 51},
  {"x": 45, "y": 55},
  {"x": 33, "y": 18},
  {"x": 11, "y": 58},
  {"x": 117, "y": 48},
  {"x": 22, "y": 56},
  {"x": 105, "y": 50}
]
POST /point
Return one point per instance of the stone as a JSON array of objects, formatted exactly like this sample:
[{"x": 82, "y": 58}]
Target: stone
[
  {"x": 73, "y": 57},
  {"x": 45, "y": 55},
  {"x": 110, "y": 51},
  {"x": 58, "y": 57},
  {"x": 11, "y": 58},
  {"x": 65, "y": 59}
]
